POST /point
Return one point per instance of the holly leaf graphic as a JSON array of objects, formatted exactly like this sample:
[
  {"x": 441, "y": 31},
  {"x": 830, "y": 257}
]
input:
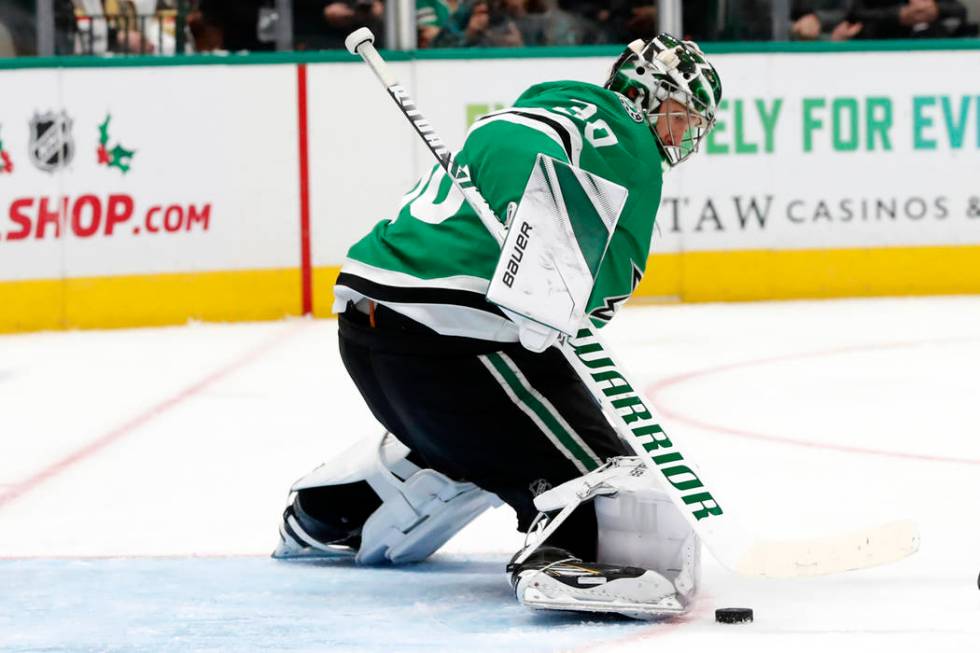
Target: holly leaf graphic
[
  {"x": 104, "y": 130},
  {"x": 121, "y": 158}
]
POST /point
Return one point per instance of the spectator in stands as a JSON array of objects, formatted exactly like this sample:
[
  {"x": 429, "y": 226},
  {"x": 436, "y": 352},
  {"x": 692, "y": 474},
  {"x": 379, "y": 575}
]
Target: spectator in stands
[
  {"x": 878, "y": 19},
  {"x": 530, "y": 18},
  {"x": 480, "y": 23},
  {"x": 432, "y": 16},
  {"x": 631, "y": 19},
  {"x": 562, "y": 26},
  {"x": 896, "y": 19},
  {"x": 613, "y": 21},
  {"x": 65, "y": 27},
  {"x": 130, "y": 21},
  {"x": 324, "y": 24},
  {"x": 17, "y": 28},
  {"x": 718, "y": 20},
  {"x": 92, "y": 27},
  {"x": 110, "y": 26},
  {"x": 822, "y": 19},
  {"x": 703, "y": 20},
  {"x": 7, "y": 47},
  {"x": 157, "y": 24},
  {"x": 229, "y": 26}
]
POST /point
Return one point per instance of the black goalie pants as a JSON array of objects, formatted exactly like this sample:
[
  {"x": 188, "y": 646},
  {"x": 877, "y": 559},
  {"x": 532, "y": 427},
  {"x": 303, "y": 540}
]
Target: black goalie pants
[{"x": 511, "y": 421}]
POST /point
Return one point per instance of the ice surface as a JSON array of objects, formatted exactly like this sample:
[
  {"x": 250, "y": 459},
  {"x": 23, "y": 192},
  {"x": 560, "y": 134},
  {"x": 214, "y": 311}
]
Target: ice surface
[
  {"x": 230, "y": 604},
  {"x": 142, "y": 473}
]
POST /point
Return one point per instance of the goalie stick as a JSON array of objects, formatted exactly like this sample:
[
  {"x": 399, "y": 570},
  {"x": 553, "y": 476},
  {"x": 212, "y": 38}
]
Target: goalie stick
[{"x": 634, "y": 421}]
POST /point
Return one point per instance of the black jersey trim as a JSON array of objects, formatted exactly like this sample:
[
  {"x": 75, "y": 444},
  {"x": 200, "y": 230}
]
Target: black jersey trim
[
  {"x": 566, "y": 138},
  {"x": 411, "y": 295}
]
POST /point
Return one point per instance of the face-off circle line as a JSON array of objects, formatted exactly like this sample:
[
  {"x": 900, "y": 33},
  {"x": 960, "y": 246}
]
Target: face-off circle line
[{"x": 655, "y": 389}]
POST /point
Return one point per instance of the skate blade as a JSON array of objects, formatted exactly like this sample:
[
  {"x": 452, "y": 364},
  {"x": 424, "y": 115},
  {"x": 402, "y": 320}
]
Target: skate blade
[
  {"x": 289, "y": 549},
  {"x": 287, "y": 552},
  {"x": 667, "y": 607}
]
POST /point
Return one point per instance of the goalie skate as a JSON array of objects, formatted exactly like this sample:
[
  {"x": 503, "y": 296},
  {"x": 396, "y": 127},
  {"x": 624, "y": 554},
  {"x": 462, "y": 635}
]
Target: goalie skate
[
  {"x": 567, "y": 583},
  {"x": 296, "y": 543}
]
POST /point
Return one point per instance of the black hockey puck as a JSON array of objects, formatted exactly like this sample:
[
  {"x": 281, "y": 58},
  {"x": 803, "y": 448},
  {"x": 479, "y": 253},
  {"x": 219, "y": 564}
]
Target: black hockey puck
[{"x": 733, "y": 615}]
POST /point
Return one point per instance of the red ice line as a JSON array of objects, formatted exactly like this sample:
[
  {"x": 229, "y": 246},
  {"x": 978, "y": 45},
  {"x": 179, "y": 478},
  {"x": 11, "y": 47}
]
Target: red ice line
[
  {"x": 654, "y": 389},
  {"x": 138, "y": 556},
  {"x": 16, "y": 490},
  {"x": 658, "y": 629}
]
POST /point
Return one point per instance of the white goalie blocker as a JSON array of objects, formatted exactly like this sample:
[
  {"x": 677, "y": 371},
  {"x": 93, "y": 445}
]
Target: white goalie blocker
[
  {"x": 554, "y": 245},
  {"x": 421, "y": 508}
]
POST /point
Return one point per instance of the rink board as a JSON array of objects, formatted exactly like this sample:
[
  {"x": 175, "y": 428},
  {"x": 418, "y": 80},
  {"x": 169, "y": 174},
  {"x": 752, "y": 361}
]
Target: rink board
[{"x": 247, "y": 178}]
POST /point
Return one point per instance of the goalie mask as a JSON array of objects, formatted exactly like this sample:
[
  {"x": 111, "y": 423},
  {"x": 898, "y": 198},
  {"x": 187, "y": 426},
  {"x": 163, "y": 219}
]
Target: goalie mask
[{"x": 664, "y": 68}]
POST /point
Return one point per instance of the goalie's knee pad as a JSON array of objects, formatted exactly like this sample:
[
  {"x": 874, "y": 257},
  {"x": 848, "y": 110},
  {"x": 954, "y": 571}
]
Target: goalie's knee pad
[{"x": 374, "y": 504}]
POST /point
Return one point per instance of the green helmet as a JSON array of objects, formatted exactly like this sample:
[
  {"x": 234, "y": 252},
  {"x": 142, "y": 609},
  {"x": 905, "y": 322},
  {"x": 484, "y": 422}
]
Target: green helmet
[{"x": 649, "y": 73}]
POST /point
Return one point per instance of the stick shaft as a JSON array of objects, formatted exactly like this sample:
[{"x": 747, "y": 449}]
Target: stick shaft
[{"x": 459, "y": 174}]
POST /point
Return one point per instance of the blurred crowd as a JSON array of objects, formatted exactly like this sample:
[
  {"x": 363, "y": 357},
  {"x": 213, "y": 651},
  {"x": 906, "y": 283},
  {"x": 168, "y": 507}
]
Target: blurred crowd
[
  {"x": 882, "y": 19},
  {"x": 323, "y": 24},
  {"x": 91, "y": 26},
  {"x": 509, "y": 23},
  {"x": 168, "y": 26},
  {"x": 836, "y": 20}
]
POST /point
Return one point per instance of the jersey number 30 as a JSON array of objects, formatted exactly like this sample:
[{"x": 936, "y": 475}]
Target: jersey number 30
[{"x": 596, "y": 131}]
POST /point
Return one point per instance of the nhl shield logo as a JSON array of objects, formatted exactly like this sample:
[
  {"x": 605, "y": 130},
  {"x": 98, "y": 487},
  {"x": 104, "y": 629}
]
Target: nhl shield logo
[{"x": 52, "y": 146}]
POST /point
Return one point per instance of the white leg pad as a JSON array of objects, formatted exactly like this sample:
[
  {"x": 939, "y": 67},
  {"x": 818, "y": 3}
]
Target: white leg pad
[
  {"x": 645, "y": 529},
  {"x": 421, "y": 508},
  {"x": 638, "y": 524},
  {"x": 423, "y": 513}
]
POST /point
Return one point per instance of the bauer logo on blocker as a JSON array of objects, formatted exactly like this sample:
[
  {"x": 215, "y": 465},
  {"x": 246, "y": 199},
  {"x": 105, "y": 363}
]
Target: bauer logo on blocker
[{"x": 514, "y": 264}]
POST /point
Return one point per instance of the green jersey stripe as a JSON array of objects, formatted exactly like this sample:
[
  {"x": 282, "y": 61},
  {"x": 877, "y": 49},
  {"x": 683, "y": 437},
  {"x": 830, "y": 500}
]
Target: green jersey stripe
[{"x": 541, "y": 411}]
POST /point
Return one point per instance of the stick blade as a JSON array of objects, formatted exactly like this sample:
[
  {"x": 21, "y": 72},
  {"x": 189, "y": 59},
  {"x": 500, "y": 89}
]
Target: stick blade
[{"x": 871, "y": 547}]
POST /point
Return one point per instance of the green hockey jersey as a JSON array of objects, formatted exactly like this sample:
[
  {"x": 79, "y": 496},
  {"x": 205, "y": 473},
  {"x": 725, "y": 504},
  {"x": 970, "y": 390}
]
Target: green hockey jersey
[{"x": 434, "y": 261}]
